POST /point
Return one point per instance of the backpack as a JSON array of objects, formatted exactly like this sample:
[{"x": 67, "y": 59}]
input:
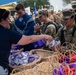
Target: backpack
[
  {"x": 62, "y": 34},
  {"x": 57, "y": 25}
]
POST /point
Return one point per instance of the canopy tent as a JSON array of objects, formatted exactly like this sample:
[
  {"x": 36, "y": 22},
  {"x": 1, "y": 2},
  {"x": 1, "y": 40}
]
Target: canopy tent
[{"x": 8, "y": 6}]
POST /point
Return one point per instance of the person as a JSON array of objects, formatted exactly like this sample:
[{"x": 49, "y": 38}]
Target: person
[
  {"x": 46, "y": 28},
  {"x": 73, "y": 3},
  {"x": 37, "y": 20},
  {"x": 51, "y": 14},
  {"x": 24, "y": 24},
  {"x": 8, "y": 37},
  {"x": 68, "y": 32}
]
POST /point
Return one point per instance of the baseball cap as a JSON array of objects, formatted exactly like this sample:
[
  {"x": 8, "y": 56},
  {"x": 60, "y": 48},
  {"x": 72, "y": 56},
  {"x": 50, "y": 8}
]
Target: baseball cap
[
  {"x": 68, "y": 13},
  {"x": 43, "y": 12}
]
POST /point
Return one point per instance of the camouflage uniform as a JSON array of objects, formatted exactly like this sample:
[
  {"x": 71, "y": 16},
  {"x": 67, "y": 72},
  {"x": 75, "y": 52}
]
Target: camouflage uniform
[
  {"x": 67, "y": 35},
  {"x": 50, "y": 30}
]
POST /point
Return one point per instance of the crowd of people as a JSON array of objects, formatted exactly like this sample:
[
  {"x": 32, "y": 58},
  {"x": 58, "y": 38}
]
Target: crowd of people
[{"x": 47, "y": 25}]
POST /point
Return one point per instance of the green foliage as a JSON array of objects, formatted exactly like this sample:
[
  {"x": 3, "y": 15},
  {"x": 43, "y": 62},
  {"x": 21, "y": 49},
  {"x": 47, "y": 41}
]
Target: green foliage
[
  {"x": 30, "y": 3},
  {"x": 66, "y": 1}
]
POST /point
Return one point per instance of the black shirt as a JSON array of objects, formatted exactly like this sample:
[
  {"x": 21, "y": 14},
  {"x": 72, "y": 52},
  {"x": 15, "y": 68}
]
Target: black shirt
[{"x": 7, "y": 37}]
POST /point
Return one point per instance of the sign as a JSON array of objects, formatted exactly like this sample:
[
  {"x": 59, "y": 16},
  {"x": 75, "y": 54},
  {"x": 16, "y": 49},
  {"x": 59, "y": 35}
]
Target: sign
[{"x": 27, "y": 10}]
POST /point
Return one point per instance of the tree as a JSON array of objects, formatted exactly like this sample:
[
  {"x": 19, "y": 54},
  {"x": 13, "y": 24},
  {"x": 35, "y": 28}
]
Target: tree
[
  {"x": 66, "y": 1},
  {"x": 30, "y": 3}
]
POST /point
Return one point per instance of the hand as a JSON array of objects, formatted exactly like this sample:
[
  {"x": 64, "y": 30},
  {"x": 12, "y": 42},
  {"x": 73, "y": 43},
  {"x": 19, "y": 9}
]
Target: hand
[
  {"x": 37, "y": 27},
  {"x": 48, "y": 38},
  {"x": 56, "y": 48}
]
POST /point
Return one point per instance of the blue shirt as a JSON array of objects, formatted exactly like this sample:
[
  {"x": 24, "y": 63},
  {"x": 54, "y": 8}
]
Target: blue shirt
[
  {"x": 7, "y": 37},
  {"x": 21, "y": 24}
]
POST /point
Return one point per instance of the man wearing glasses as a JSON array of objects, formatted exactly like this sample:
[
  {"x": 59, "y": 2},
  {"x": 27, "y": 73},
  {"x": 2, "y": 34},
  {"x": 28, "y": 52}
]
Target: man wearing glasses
[
  {"x": 24, "y": 24},
  {"x": 68, "y": 32}
]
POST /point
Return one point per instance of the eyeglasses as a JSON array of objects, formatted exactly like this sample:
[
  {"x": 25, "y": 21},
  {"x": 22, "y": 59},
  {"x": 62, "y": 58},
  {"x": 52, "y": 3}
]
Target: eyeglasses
[{"x": 19, "y": 13}]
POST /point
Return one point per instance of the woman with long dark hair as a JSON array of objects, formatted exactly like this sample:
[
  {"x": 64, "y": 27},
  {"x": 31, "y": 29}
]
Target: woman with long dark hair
[{"x": 7, "y": 37}]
